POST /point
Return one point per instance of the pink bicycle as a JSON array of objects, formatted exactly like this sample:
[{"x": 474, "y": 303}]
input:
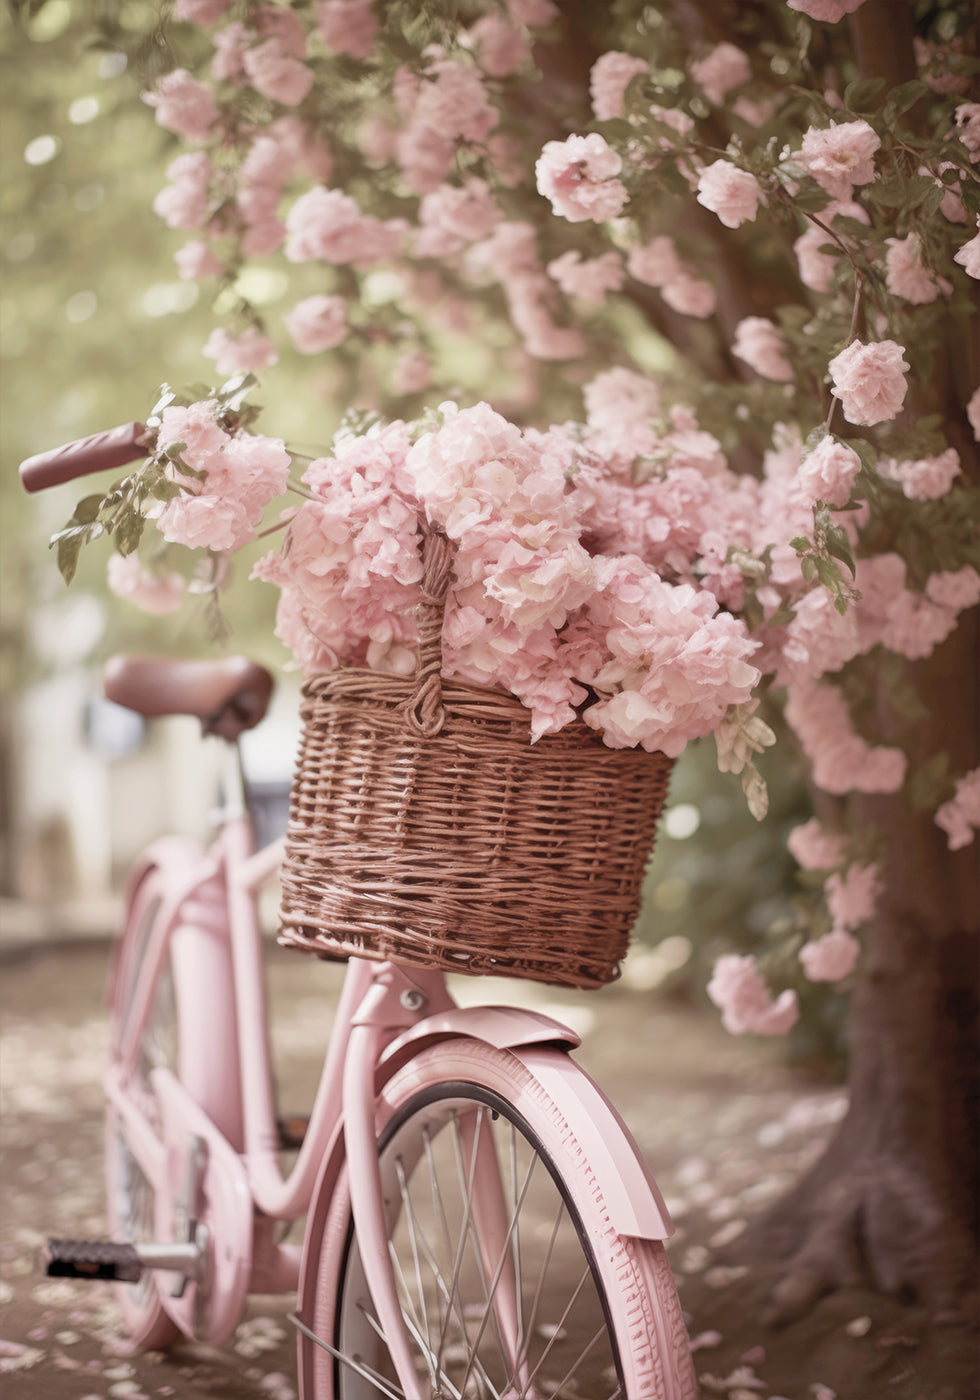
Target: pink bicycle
[{"x": 479, "y": 1221}]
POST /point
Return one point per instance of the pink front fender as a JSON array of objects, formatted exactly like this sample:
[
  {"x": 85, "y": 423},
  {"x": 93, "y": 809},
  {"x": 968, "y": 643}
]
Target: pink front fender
[{"x": 635, "y": 1204}]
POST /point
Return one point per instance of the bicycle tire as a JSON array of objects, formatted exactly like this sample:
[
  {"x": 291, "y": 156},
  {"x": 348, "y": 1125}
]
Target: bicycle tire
[
  {"x": 627, "y": 1303},
  {"x": 182, "y": 1042}
]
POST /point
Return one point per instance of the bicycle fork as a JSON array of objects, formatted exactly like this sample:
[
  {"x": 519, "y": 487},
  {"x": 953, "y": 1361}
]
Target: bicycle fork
[{"x": 370, "y": 1031}]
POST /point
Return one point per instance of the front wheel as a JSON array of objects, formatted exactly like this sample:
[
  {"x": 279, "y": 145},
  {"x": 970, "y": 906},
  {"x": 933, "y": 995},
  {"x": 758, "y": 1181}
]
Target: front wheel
[{"x": 513, "y": 1283}]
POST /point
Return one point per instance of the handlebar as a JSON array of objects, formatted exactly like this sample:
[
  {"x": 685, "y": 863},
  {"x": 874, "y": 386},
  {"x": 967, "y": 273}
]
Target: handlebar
[{"x": 83, "y": 456}]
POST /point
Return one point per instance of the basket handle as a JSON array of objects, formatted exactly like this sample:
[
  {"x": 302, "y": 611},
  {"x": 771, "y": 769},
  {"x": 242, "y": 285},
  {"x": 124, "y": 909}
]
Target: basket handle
[{"x": 425, "y": 712}]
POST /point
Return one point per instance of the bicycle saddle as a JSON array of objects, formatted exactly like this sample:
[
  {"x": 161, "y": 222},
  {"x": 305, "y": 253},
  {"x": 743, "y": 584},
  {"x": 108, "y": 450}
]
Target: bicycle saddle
[{"x": 228, "y": 695}]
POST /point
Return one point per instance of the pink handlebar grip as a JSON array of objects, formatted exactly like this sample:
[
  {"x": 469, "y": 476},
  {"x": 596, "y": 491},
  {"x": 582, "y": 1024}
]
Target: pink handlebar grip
[{"x": 92, "y": 454}]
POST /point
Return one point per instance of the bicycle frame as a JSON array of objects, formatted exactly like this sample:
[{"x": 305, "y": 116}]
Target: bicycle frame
[{"x": 237, "y": 1188}]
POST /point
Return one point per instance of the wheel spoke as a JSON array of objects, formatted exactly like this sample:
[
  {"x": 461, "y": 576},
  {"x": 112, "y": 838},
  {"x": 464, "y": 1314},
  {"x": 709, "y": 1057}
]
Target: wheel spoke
[{"x": 382, "y": 1386}]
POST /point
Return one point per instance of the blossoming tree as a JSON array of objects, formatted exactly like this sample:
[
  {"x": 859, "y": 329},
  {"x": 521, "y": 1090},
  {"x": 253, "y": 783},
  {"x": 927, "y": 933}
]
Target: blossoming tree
[{"x": 716, "y": 263}]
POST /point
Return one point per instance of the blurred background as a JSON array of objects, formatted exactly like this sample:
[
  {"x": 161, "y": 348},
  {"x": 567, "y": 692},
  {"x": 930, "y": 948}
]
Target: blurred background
[{"x": 94, "y": 319}]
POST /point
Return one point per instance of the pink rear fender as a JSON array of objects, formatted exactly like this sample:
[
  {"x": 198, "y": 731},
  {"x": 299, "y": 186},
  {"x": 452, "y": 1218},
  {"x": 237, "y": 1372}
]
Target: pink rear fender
[{"x": 175, "y": 877}]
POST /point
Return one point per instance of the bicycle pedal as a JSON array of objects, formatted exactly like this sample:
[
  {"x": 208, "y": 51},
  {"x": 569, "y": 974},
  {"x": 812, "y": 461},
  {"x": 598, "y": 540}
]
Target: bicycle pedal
[
  {"x": 92, "y": 1259},
  {"x": 291, "y": 1131}
]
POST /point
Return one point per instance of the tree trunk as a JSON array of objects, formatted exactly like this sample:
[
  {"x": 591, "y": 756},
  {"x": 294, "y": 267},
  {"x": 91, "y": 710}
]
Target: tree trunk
[{"x": 895, "y": 1195}]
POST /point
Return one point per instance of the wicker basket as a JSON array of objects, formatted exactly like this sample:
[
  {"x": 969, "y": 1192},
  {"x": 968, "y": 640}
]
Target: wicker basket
[{"x": 425, "y": 828}]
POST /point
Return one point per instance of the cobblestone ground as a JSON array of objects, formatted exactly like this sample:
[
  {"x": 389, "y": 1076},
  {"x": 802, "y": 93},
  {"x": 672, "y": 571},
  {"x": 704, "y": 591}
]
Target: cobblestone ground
[{"x": 723, "y": 1124}]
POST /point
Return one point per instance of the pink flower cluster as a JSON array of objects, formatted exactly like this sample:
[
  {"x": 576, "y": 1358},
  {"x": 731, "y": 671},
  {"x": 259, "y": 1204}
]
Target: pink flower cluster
[
  {"x": 243, "y": 472},
  {"x": 739, "y": 991},
  {"x": 579, "y": 177},
  {"x": 156, "y": 593},
  {"x": 841, "y": 760},
  {"x": 870, "y": 381},
  {"x": 536, "y": 609},
  {"x": 733, "y": 194},
  {"x": 840, "y": 156},
  {"x": 658, "y": 264},
  {"x": 724, "y": 68},
  {"x": 349, "y": 572},
  {"x": 328, "y": 225},
  {"x": 926, "y": 478},
  {"x": 907, "y": 275},
  {"x": 959, "y": 817},
  {"x": 762, "y": 347}
]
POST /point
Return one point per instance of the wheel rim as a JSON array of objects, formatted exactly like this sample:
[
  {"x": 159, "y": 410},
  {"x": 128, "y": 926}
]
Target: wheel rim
[
  {"x": 132, "y": 1198},
  {"x": 554, "y": 1342}
]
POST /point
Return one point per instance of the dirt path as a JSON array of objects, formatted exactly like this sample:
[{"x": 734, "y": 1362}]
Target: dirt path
[{"x": 723, "y": 1124}]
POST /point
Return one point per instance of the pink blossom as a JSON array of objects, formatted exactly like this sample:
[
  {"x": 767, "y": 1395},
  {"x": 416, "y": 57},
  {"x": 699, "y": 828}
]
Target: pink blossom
[
  {"x": 869, "y": 380},
  {"x": 730, "y": 193},
  {"x": 656, "y": 263},
  {"x": 242, "y": 474},
  {"x": 413, "y": 373},
  {"x": 719, "y": 71},
  {"x": 841, "y": 760},
  {"x": 819, "y": 640},
  {"x": 424, "y": 156},
  {"x": 590, "y": 280},
  {"x": 762, "y": 347},
  {"x": 276, "y": 73},
  {"x": 620, "y": 396},
  {"x": 611, "y": 75},
  {"x": 973, "y": 412},
  {"x": 454, "y": 215},
  {"x": 967, "y": 119},
  {"x": 907, "y": 275},
  {"x": 691, "y": 296},
  {"x": 529, "y": 300},
  {"x": 196, "y": 259},
  {"x": 200, "y": 11},
  {"x": 754, "y": 112},
  {"x": 250, "y": 351},
  {"x": 231, "y": 43},
  {"x": 840, "y": 156},
  {"x": 500, "y": 45},
  {"x": 830, "y": 958},
  {"x": 183, "y": 105},
  {"x": 300, "y": 148},
  {"x": 927, "y": 478},
  {"x": 196, "y": 426},
  {"x": 185, "y": 202},
  {"x": 739, "y": 991},
  {"x": 453, "y": 101},
  {"x": 853, "y": 897},
  {"x": 957, "y": 589},
  {"x": 828, "y": 11},
  {"x": 258, "y": 240},
  {"x": 347, "y": 26},
  {"x": 815, "y": 848},
  {"x": 968, "y": 256},
  {"x": 152, "y": 592},
  {"x": 828, "y": 472},
  {"x": 578, "y": 176},
  {"x": 328, "y": 225},
  {"x": 317, "y": 323},
  {"x": 961, "y": 814},
  {"x": 534, "y": 13}
]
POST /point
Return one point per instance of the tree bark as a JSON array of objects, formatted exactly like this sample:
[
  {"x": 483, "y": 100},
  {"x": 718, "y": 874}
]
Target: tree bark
[{"x": 895, "y": 1196}]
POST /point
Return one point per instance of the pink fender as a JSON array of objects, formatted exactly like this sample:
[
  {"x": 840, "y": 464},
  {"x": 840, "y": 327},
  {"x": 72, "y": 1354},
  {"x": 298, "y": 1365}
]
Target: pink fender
[{"x": 636, "y": 1206}]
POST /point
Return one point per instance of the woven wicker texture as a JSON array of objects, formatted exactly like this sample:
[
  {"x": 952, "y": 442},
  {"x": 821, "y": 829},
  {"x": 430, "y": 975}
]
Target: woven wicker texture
[{"x": 425, "y": 828}]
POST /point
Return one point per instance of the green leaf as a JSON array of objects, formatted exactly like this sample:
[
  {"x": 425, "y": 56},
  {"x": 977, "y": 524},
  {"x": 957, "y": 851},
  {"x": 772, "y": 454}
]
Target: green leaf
[
  {"x": 860, "y": 95},
  {"x": 901, "y": 98},
  {"x": 840, "y": 547}
]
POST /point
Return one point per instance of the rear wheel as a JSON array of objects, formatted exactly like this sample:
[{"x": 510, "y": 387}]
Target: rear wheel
[
  {"x": 188, "y": 1045},
  {"x": 512, "y": 1280}
]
